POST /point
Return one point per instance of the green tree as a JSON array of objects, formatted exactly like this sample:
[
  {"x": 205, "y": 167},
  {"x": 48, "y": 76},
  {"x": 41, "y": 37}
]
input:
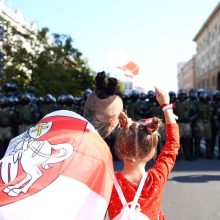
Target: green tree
[
  {"x": 50, "y": 64},
  {"x": 61, "y": 68}
]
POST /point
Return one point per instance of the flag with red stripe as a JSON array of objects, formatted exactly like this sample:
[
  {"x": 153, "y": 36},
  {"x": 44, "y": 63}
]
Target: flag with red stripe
[
  {"x": 130, "y": 69},
  {"x": 59, "y": 169}
]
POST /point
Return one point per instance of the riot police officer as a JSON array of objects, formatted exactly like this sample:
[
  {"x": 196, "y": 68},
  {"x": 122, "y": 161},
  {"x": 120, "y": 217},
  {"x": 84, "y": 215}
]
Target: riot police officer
[
  {"x": 216, "y": 122},
  {"x": 60, "y": 102},
  {"x": 204, "y": 112},
  {"x": 173, "y": 97},
  {"x": 5, "y": 124},
  {"x": 143, "y": 104},
  {"x": 69, "y": 103},
  {"x": 25, "y": 113},
  {"x": 133, "y": 105},
  {"x": 182, "y": 108},
  {"x": 81, "y": 102},
  {"x": 153, "y": 109},
  {"x": 49, "y": 105}
]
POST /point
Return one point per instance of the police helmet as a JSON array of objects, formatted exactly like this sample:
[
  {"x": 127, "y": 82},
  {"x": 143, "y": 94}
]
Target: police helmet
[
  {"x": 151, "y": 95},
  {"x": 216, "y": 95},
  {"x": 143, "y": 96},
  {"x": 49, "y": 99},
  {"x": 134, "y": 94},
  {"x": 182, "y": 94},
  {"x": 13, "y": 87},
  {"x": 203, "y": 95},
  {"x": 172, "y": 95},
  {"x": 201, "y": 90},
  {"x": 192, "y": 94},
  {"x": 3, "y": 101},
  {"x": 25, "y": 99},
  {"x": 39, "y": 100},
  {"x": 60, "y": 99},
  {"x": 7, "y": 87},
  {"x": 68, "y": 100},
  {"x": 124, "y": 96}
]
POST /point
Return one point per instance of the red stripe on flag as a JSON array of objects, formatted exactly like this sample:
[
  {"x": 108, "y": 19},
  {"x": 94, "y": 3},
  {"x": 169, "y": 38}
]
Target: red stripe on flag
[
  {"x": 129, "y": 75},
  {"x": 97, "y": 169},
  {"x": 131, "y": 67},
  {"x": 120, "y": 67}
]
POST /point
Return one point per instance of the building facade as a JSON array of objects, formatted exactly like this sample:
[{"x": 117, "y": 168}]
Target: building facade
[
  {"x": 186, "y": 74},
  {"x": 128, "y": 85},
  {"x": 16, "y": 32},
  {"x": 207, "y": 62},
  {"x": 16, "y": 19}
]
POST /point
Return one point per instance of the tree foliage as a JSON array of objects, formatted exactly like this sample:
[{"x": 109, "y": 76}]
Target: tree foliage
[{"x": 51, "y": 64}]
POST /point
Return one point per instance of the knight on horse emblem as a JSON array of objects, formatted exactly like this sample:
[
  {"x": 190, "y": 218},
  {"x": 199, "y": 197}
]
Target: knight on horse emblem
[{"x": 30, "y": 153}]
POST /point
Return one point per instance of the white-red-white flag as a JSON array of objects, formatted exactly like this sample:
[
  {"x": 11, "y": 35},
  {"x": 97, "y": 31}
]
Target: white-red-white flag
[
  {"x": 130, "y": 69},
  {"x": 59, "y": 169}
]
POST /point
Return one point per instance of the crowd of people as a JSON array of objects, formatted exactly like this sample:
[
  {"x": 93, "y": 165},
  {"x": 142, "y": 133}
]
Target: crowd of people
[
  {"x": 20, "y": 111},
  {"x": 198, "y": 118},
  {"x": 136, "y": 193},
  {"x": 137, "y": 127},
  {"x": 198, "y": 113},
  {"x": 136, "y": 145}
]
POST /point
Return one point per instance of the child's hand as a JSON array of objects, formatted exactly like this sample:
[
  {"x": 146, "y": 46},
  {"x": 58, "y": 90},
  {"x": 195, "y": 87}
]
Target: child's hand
[{"x": 161, "y": 96}]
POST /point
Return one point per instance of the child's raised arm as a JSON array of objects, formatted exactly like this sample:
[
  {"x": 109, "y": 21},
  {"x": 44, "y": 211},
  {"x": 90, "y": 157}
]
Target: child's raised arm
[
  {"x": 169, "y": 151},
  {"x": 163, "y": 99}
]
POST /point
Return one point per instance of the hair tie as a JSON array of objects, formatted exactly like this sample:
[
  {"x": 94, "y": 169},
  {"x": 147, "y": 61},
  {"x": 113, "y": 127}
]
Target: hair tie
[{"x": 150, "y": 127}]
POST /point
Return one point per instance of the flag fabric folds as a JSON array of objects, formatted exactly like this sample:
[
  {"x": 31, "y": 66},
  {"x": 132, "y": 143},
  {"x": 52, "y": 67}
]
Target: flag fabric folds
[
  {"x": 130, "y": 69},
  {"x": 59, "y": 169}
]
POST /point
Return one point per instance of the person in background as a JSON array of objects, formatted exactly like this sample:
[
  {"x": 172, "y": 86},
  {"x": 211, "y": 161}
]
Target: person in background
[
  {"x": 136, "y": 145},
  {"x": 5, "y": 124},
  {"x": 49, "y": 105},
  {"x": 133, "y": 105},
  {"x": 215, "y": 124},
  {"x": 203, "y": 128},
  {"x": 80, "y": 101},
  {"x": 172, "y": 95},
  {"x": 193, "y": 101},
  {"x": 183, "y": 110},
  {"x": 26, "y": 113},
  {"x": 103, "y": 107},
  {"x": 153, "y": 109}
]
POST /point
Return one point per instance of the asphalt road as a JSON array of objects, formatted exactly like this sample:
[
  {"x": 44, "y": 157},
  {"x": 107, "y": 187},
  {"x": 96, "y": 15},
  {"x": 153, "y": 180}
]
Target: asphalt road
[{"x": 192, "y": 191}]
